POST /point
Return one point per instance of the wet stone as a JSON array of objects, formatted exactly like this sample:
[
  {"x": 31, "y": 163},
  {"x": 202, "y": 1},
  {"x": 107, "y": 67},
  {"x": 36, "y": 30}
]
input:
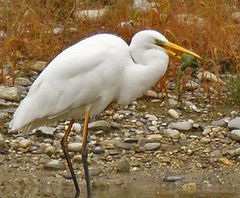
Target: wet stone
[
  {"x": 189, "y": 187},
  {"x": 235, "y": 135},
  {"x": 98, "y": 150},
  {"x": 44, "y": 131},
  {"x": 182, "y": 125},
  {"x": 122, "y": 145},
  {"x": 100, "y": 125},
  {"x": 123, "y": 165},
  {"x": 54, "y": 165},
  {"x": 75, "y": 147},
  {"x": 172, "y": 178},
  {"x": 151, "y": 146},
  {"x": 234, "y": 123},
  {"x": 94, "y": 171}
]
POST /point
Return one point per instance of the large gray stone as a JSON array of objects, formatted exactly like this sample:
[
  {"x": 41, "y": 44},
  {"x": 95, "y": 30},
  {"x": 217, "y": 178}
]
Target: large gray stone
[
  {"x": 100, "y": 125},
  {"x": 182, "y": 125},
  {"x": 54, "y": 165},
  {"x": 9, "y": 93},
  {"x": 45, "y": 131},
  {"x": 235, "y": 135},
  {"x": 234, "y": 123}
]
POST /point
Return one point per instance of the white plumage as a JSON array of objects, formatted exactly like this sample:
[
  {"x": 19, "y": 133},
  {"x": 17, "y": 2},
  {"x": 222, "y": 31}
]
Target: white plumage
[
  {"x": 91, "y": 74},
  {"x": 86, "y": 77}
]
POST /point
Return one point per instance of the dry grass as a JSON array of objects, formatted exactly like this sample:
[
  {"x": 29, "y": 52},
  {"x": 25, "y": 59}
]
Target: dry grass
[{"x": 26, "y": 29}]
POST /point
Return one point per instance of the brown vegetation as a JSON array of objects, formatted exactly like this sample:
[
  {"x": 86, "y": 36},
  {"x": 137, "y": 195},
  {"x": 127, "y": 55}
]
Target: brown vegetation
[{"x": 27, "y": 29}]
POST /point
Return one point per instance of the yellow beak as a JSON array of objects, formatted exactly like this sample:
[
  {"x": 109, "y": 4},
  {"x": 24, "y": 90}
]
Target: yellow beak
[{"x": 168, "y": 46}]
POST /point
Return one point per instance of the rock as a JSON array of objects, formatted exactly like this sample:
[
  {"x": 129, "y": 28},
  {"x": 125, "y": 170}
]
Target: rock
[
  {"x": 90, "y": 14},
  {"x": 75, "y": 147},
  {"x": 173, "y": 113},
  {"x": 9, "y": 93},
  {"x": 236, "y": 152},
  {"x": 151, "y": 146},
  {"x": 50, "y": 150},
  {"x": 76, "y": 127},
  {"x": 38, "y": 66},
  {"x": 172, "y": 133},
  {"x": 189, "y": 187},
  {"x": 130, "y": 140},
  {"x": 151, "y": 94},
  {"x": 236, "y": 17},
  {"x": 54, "y": 165},
  {"x": 122, "y": 145},
  {"x": 143, "y": 141},
  {"x": 172, "y": 178},
  {"x": 192, "y": 106},
  {"x": 123, "y": 165},
  {"x": 44, "y": 131},
  {"x": 209, "y": 76},
  {"x": 22, "y": 81},
  {"x": 2, "y": 141},
  {"x": 100, "y": 125},
  {"x": 98, "y": 150},
  {"x": 172, "y": 102},
  {"x": 141, "y": 5},
  {"x": 156, "y": 137},
  {"x": 115, "y": 125},
  {"x": 235, "y": 135},
  {"x": 182, "y": 125},
  {"x": 3, "y": 116},
  {"x": 234, "y": 123},
  {"x": 94, "y": 171},
  {"x": 191, "y": 85},
  {"x": 58, "y": 30},
  {"x": 221, "y": 123},
  {"x": 190, "y": 19},
  {"x": 151, "y": 117},
  {"x": 153, "y": 129},
  {"x": 24, "y": 143}
]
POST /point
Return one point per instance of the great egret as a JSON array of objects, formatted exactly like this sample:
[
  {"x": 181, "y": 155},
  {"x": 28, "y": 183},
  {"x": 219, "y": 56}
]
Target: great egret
[{"x": 86, "y": 77}]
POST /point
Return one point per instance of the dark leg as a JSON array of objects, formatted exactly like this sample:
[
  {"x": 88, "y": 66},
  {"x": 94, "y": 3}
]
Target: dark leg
[
  {"x": 85, "y": 152},
  {"x": 65, "y": 151}
]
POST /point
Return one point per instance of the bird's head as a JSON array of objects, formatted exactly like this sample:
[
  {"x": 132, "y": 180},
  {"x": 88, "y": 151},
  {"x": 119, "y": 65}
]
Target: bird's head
[{"x": 154, "y": 39}]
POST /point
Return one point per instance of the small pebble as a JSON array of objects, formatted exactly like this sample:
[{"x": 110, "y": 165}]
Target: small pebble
[
  {"x": 75, "y": 147},
  {"x": 173, "y": 113},
  {"x": 123, "y": 165}
]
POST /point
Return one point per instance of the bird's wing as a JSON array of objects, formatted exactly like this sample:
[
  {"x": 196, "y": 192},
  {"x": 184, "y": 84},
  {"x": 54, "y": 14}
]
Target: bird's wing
[{"x": 75, "y": 78}]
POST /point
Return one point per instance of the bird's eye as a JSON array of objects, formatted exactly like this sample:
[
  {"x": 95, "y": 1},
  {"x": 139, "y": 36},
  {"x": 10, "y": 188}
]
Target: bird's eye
[{"x": 159, "y": 42}]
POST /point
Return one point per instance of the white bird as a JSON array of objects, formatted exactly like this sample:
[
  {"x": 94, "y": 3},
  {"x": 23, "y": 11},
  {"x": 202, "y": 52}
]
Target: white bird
[{"x": 86, "y": 77}]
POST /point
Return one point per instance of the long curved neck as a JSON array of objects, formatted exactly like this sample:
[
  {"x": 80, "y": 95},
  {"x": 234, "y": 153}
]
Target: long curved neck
[{"x": 147, "y": 66}]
